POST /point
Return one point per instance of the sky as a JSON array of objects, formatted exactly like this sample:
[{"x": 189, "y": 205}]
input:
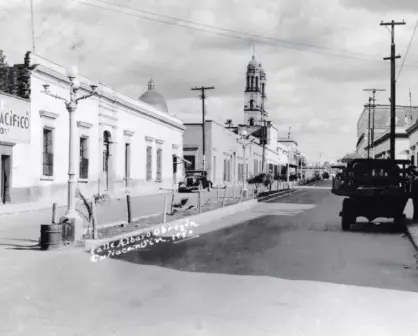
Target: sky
[{"x": 319, "y": 55}]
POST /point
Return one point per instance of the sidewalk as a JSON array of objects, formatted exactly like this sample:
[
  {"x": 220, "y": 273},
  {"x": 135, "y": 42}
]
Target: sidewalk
[
  {"x": 26, "y": 225},
  {"x": 412, "y": 226}
]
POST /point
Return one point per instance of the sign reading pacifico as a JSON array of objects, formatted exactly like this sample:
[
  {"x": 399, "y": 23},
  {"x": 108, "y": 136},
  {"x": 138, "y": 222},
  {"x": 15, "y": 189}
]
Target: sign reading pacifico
[{"x": 14, "y": 119}]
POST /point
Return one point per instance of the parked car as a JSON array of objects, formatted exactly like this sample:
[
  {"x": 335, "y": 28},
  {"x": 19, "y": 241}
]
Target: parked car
[{"x": 195, "y": 180}]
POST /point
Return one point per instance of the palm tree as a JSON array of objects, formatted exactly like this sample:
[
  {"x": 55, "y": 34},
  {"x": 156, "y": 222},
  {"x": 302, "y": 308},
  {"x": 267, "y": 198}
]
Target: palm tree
[{"x": 228, "y": 122}]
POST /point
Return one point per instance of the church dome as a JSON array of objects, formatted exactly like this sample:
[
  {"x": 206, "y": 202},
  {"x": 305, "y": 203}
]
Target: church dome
[
  {"x": 253, "y": 65},
  {"x": 152, "y": 97},
  {"x": 262, "y": 72}
]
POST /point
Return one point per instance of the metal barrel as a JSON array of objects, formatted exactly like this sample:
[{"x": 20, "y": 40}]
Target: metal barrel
[{"x": 51, "y": 236}]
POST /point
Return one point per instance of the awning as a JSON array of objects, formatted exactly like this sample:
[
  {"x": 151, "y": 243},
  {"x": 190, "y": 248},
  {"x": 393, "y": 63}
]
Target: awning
[{"x": 182, "y": 160}]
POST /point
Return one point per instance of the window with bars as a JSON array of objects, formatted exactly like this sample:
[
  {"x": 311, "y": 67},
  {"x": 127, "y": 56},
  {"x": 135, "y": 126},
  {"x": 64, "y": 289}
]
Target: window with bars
[
  {"x": 159, "y": 164},
  {"x": 48, "y": 154},
  {"x": 240, "y": 172},
  {"x": 149, "y": 163},
  {"x": 84, "y": 158},
  {"x": 127, "y": 161},
  {"x": 214, "y": 168}
]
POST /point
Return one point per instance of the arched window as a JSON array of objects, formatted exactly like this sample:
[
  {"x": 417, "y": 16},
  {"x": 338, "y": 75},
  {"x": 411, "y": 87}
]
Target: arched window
[
  {"x": 251, "y": 121},
  {"x": 256, "y": 84},
  {"x": 252, "y": 83},
  {"x": 251, "y": 104}
]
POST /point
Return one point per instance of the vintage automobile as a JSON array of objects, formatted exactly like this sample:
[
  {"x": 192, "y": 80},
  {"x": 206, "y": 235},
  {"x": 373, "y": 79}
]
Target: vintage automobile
[
  {"x": 195, "y": 180},
  {"x": 373, "y": 188}
]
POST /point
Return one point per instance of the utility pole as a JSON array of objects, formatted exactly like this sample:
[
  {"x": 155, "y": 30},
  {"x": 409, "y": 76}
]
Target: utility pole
[
  {"x": 368, "y": 128},
  {"x": 202, "y": 89},
  {"x": 264, "y": 134},
  {"x": 392, "y": 59},
  {"x": 374, "y": 113}
]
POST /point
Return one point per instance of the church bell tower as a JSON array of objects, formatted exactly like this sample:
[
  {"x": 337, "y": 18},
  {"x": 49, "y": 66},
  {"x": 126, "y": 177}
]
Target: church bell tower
[{"x": 254, "y": 93}]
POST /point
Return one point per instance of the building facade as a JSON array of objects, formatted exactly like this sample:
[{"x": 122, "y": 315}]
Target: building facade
[
  {"x": 126, "y": 145},
  {"x": 225, "y": 155},
  {"x": 224, "y": 159},
  {"x": 380, "y": 144}
]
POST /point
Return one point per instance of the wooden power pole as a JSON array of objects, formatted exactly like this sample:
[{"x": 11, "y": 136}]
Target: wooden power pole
[
  {"x": 392, "y": 59},
  {"x": 373, "y": 114},
  {"x": 369, "y": 128},
  {"x": 203, "y": 97}
]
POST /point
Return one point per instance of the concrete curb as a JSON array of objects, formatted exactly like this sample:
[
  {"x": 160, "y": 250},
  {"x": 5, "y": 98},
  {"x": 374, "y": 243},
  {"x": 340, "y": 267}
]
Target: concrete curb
[
  {"x": 412, "y": 235},
  {"x": 202, "y": 219},
  {"x": 121, "y": 222},
  {"x": 280, "y": 193}
]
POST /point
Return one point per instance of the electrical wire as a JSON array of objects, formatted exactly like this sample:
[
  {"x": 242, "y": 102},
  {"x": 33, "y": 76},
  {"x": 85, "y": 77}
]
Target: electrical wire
[
  {"x": 226, "y": 29},
  {"x": 259, "y": 39},
  {"x": 407, "y": 51}
]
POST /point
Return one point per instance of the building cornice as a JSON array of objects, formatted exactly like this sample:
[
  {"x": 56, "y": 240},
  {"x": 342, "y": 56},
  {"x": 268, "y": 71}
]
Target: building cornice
[
  {"x": 113, "y": 99},
  {"x": 47, "y": 114},
  {"x": 386, "y": 137},
  {"x": 16, "y": 97},
  {"x": 128, "y": 133},
  {"x": 84, "y": 124}
]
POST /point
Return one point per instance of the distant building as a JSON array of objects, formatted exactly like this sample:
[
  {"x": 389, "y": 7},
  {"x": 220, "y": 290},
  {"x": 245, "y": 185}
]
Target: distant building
[
  {"x": 125, "y": 145},
  {"x": 405, "y": 117},
  {"x": 224, "y": 155}
]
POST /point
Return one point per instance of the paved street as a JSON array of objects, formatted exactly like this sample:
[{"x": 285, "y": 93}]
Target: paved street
[
  {"x": 281, "y": 268},
  {"x": 299, "y": 238}
]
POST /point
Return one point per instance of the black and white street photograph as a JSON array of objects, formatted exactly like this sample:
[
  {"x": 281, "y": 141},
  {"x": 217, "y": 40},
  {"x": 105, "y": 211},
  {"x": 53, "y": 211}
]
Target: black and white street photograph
[{"x": 213, "y": 168}]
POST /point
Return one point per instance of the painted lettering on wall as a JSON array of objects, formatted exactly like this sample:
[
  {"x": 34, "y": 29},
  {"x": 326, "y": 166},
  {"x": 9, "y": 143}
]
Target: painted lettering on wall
[
  {"x": 141, "y": 241},
  {"x": 9, "y": 119},
  {"x": 15, "y": 119}
]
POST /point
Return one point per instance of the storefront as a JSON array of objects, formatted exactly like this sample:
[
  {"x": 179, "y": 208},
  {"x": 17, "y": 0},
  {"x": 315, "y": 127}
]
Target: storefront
[{"x": 15, "y": 125}]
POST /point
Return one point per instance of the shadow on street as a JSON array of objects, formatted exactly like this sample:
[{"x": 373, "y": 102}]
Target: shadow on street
[{"x": 300, "y": 239}]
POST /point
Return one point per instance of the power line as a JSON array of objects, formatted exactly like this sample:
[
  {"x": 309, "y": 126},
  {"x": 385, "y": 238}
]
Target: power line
[
  {"x": 229, "y": 35},
  {"x": 226, "y": 29},
  {"x": 407, "y": 51}
]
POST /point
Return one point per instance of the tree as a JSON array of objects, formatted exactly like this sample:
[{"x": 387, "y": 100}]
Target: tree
[
  {"x": 4, "y": 73},
  {"x": 228, "y": 122},
  {"x": 23, "y": 78}
]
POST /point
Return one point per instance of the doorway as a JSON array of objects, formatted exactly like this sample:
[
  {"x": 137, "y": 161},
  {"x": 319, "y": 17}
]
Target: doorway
[
  {"x": 5, "y": 179},
  {"x": 106, "y": 155}
]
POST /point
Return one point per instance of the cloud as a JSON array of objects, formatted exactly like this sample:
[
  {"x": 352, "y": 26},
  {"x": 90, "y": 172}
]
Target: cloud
[
  {"x": 319, "y": 95},
  {"x": 383, "y": 6}
]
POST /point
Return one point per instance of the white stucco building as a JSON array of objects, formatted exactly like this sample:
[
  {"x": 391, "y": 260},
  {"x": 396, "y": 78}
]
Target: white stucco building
[{"x": 126, "y": 145}]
